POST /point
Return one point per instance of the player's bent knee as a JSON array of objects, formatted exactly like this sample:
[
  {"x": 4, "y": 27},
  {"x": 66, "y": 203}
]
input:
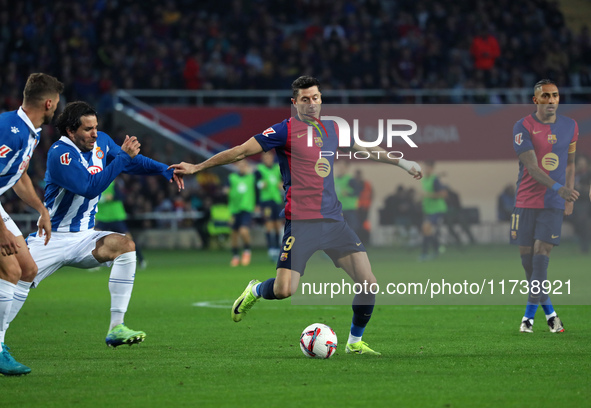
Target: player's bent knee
[
  {"x": 29, "y": 272},
  {"x": 282, "y": 291}
]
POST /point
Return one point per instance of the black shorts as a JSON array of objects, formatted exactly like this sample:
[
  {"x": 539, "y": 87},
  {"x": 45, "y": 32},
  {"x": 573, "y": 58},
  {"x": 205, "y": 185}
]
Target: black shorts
[
  {"x": 302, "y": 238},
  {"x": 531, "y": 224},
  {"x": 241, "y": 219},
  {"x": 270, "y": 210}
]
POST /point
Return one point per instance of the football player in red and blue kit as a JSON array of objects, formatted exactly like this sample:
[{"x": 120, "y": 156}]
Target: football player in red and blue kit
[
  {"x": 313, "y": 213},
  {"x": 545, "y": 144}
]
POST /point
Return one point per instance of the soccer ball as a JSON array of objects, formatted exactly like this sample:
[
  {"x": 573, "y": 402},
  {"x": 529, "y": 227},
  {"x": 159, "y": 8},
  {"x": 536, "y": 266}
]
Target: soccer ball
[{"x": 318, "y": 341}]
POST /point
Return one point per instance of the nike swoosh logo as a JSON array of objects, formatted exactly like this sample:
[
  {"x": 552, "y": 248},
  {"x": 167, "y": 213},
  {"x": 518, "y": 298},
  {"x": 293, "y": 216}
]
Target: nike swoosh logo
[
  {"x": 535, "y": 133},
  {"x": 555, "y": 236},
  {"x": 358, "y": 243},
  {"x": 237, "y": 306},
  {"x": 301, "y": 134}
]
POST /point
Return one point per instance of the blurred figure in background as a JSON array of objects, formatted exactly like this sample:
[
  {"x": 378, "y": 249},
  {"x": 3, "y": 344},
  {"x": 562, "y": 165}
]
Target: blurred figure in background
[
  {"x": 434, "y": 209},
  {"x": 580, "y": 217},
  {"x": 506, "y": 203},
  {"x": 270, "y": 198},
  {"x": 241, "y": 200}
]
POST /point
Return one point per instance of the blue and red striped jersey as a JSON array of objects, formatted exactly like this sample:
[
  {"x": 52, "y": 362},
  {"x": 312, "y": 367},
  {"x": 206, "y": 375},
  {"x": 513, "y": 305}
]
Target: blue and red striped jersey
[
  {"x": 308, "y": 177},
  {"x": 551, "y": 142}
]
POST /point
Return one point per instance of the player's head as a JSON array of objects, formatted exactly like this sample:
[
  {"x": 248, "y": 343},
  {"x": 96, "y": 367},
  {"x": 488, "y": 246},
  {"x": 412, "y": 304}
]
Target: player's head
[
  {"x": 79, "y": 122},
  {"x": 428, "y": 167},
  {"x": 306, "y": 96},
  {"x": 268, "y": 159},
  {"x": 42, "y": 92},
  {"x": 243, "y": 167},
  {"x": 546, "y": 98}
]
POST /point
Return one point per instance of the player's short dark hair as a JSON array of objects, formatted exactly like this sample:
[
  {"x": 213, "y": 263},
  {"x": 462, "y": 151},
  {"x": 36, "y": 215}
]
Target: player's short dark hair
[
  {"x": 304, "y": 82},
  {"x": 70, "y": 116},
  {"x": 543, "y": 82},
  {"x": 40, "y": 86}
]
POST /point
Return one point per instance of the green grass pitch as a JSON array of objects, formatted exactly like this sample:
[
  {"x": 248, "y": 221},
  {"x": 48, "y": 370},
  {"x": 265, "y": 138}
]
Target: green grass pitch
[{"x": 195, "y": 356}]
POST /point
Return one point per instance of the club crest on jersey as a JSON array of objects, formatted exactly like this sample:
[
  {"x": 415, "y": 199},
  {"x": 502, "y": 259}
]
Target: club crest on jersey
[
  {"x": 94, "y": 169},
  {"x": 4, "y": 150},
  {"x": 65, "y": 159},
  {"x": 99, "y": 153},
  {"x": 268, "y": 132},
  {"x": 513, "y": 234},
  {"x": 318, "y": 141},
  {"x": 283, "y": 256},
  {"x": 519, "y": 139},
  {"x": 552, "y": 139}
]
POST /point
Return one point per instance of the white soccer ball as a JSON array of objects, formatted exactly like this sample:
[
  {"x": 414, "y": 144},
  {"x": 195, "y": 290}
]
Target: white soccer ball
[{"x": 318, "y": 341}]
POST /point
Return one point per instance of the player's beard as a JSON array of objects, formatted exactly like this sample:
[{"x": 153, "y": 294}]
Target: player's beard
[{"x": 47, "y": 118}]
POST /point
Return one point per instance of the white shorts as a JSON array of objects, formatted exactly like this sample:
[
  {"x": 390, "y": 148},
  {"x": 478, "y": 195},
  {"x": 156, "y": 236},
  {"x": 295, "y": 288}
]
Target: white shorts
[
  {"x": 9, "y": 222},
  {"x": 65, "y": 249}
]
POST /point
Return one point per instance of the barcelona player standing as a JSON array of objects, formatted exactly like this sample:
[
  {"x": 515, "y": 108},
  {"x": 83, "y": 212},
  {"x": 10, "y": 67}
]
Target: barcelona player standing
[
  {"x": 314, "y": 219},
  {"x": 545, "y": 144}
]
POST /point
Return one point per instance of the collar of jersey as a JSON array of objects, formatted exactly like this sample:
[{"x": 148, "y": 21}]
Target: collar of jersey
[{"x": 21, "y": 114}]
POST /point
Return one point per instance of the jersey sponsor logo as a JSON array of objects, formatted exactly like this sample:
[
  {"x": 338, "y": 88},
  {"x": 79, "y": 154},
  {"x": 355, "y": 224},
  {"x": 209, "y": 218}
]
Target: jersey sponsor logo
[
  {"x": 322, "y": 167},
  {"x": 519, "y": 139},
  {"x": 94, "y": 169},
  {"x": 550, "y": 161},
  {"x": 99, "y": 153},
  {"x": 4, "y": 150},
  {"x": 268, "y": 132},
  {"x": 552, "y": 139},
  {"x": 24, "y": 164},
  {"x": 65, "y": 159}
]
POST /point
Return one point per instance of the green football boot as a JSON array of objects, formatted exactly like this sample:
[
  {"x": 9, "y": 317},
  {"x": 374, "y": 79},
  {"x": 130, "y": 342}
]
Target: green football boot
[
  {"x": 122, "y": 334},
  {"x": 360, "y": 347},
  {"x": 245, "y": 302}
]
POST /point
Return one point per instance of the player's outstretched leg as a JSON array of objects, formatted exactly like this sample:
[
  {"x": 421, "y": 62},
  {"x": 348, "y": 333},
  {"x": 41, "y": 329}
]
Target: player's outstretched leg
[
  {"x": 245, "y": 301},
  {"x": 9, "y": 366}
]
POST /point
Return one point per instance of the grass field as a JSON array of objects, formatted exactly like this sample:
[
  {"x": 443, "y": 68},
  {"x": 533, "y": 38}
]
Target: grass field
[{"x": 433, "y": 355}]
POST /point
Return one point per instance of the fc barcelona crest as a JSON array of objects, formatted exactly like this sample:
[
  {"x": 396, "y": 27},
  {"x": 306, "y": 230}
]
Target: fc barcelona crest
[
  {"x": 283, "y": 256},
  {"x": 513, "y": 234},
  {"x": 552, "y": 139},
  {"x": 318, "y": 141}
]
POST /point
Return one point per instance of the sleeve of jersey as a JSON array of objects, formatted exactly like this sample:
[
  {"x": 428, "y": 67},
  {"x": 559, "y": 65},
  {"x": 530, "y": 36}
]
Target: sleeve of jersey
[
  {"x": 521, "y": 139},
  {"x": 9, "y": 146},
  {"x": 142, "y": 165},
  {"x": 139, "y": 165},
  {"x": 66, "y": 171},
  {"x": 275, "y": 136},
  {"x": 573, "y": 144}
]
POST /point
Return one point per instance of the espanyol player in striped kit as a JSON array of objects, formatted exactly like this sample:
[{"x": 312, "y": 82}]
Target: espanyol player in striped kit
[
  {"x": 80, "y": 166},
  {"x": 314, "y": 219},
  {"x": 19, "y": 135},
  {"x": 545, "y": 144}
]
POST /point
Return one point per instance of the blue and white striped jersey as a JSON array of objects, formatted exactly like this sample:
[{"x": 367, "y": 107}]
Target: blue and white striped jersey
[
  {"x": 18, "y": 139},
  {"x": 75, "y": 180}
]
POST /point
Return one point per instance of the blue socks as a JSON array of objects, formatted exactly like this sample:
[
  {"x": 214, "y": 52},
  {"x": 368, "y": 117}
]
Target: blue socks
[
  {"x": 538, "y": 265},
  {"x": 265, "y": 289}
]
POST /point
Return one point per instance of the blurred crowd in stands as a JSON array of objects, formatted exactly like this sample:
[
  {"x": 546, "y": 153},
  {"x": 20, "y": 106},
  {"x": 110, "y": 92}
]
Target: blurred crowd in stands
[{"x": 97, "y": 46}]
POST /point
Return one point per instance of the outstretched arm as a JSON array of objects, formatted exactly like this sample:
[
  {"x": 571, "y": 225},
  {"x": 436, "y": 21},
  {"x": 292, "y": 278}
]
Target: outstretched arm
[
  {"x": 378, "y": 154},
  {"x": 26, "y": 192},
  {"x": 529, "y": 160},
  {"x": 248, "y": 148}
]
